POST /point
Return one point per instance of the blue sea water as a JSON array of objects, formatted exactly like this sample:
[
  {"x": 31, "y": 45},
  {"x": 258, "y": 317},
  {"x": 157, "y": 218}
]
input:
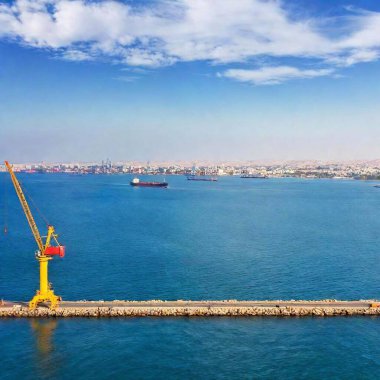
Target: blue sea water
[{"x": 233, "y": 239}]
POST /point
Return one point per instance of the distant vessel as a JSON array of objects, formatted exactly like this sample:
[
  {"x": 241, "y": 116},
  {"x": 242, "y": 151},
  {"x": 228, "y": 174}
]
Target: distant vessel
[
  {"x": 253, "y": 176},
  {"x": 378, "y": 186},
  {"x": 137, "y": 182},
  {"x": 195, "y": 178}
]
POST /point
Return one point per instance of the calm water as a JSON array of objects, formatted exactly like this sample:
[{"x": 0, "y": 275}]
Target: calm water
[{"x": 234, "y": 239}]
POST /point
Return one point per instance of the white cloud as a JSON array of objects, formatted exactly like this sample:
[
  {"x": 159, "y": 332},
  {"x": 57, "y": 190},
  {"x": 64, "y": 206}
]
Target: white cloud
[
  {"x": 166, "y": 32},
  {"x": 76, "y": 55},
  {"x": 273, "y": 75},
  {"x": 365, "y": 33},
  {"x": 355, "y": 56}
]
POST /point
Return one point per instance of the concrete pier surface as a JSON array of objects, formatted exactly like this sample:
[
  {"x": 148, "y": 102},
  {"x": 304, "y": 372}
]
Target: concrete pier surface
[{"x": 157, "y": 308}]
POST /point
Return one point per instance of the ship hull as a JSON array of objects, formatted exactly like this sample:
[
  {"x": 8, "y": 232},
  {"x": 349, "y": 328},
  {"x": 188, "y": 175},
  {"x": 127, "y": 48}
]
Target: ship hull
[
  {"x": 206, "y": 179},
  {"x": 149, "y": 184}
]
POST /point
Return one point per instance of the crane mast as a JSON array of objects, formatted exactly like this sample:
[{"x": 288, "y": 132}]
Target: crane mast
[{"x": 45, "y": 250}]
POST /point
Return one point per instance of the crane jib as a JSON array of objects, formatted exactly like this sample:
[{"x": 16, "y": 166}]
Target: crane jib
[
  {"x": 44, "y": 249},
  {"x": 25, "y": 207}
]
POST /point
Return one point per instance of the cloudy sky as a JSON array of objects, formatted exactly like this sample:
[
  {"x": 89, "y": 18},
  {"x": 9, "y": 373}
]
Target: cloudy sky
[{"x": 189, "y": 79}]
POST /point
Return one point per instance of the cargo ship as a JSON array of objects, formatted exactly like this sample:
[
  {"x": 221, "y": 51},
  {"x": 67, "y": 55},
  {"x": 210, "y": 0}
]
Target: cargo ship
[
  {"x": 194, "y": 178},
  {"x": 137, "y": 182},
  {"x": 254, "y": 176}
]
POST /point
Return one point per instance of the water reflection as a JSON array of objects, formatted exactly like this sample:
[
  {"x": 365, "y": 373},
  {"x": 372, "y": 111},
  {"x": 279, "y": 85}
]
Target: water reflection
[{"x": 43, "y": 331}]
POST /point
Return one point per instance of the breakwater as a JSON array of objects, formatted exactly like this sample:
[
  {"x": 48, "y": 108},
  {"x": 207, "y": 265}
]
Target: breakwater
[{"x": 98, "y": 309}]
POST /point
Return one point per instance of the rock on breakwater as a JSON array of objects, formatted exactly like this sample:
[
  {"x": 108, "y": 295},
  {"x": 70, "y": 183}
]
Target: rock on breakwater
[{"x": 101, "y": 309}]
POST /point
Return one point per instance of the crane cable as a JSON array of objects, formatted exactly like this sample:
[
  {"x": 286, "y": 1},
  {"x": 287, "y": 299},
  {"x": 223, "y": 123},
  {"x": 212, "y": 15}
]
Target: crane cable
[
  {"x": 5, "y": 207},
  {"x": 30, "y": 199},
  {"x": 34, "y": 204},
  {"x": 5, "y": 228}
]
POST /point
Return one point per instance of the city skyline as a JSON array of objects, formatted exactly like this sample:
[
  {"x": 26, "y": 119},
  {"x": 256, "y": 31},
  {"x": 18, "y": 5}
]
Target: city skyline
[
  {"x": 160, "y": 81},
  {"x": 364, "y": 170}
]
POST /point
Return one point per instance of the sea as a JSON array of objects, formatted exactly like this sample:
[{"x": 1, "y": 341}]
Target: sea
[{"x": 243, "y": 239}]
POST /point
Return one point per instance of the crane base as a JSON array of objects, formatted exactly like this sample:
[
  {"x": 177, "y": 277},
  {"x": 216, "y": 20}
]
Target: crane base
[{"x": 46, "y": 297}]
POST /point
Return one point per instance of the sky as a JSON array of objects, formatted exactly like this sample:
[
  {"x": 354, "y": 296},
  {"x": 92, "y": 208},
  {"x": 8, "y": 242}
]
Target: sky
[{"x": 217, "y": 80}]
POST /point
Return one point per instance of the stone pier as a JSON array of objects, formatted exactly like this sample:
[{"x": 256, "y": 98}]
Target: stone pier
[{"x": 181, "y": 308}]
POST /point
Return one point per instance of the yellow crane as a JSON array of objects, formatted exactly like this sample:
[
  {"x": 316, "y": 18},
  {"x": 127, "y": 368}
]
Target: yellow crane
[{"x": 45, "y": 249}]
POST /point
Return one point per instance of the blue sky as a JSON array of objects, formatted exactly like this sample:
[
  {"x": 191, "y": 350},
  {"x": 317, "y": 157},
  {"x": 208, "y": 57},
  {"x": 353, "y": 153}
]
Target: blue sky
[{"x": 189, "y": 80}]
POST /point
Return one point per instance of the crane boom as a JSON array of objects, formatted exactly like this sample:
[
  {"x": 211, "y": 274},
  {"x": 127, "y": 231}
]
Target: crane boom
[{"x": 25, "y": 207}]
